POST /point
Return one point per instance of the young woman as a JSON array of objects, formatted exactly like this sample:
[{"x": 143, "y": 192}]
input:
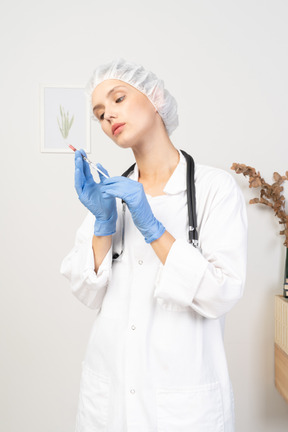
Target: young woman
[{"x": 155, "y": 359}]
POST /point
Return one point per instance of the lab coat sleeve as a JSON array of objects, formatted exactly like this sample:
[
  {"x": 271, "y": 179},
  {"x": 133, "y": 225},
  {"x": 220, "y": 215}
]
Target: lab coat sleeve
[
  {"x": 78, "y": 267},
  {"x": 210, "y": 280}
]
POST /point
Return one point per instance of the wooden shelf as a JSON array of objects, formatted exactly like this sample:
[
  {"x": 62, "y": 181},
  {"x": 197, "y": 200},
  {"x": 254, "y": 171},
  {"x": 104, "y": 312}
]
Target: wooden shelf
[{"x": 281, "y": 346}]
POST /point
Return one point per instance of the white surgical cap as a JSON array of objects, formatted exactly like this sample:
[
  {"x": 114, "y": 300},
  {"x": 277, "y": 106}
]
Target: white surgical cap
[{"x": 144, "y": 81}]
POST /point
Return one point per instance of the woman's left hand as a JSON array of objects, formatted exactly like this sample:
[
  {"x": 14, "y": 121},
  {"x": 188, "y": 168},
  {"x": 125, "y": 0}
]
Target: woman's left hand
[{"x": 132, "y": 192}]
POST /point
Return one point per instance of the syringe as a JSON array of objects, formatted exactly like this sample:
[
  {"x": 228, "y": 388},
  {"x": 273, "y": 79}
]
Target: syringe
[{"x": 91, "y": 164}]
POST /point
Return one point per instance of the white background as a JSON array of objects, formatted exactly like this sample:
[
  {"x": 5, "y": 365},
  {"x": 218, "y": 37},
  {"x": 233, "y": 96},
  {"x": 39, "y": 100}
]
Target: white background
[{"x": 226, "y": 64}]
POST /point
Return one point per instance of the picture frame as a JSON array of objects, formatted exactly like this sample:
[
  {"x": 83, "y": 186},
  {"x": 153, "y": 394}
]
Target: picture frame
[{"x": 64, "y": 119}]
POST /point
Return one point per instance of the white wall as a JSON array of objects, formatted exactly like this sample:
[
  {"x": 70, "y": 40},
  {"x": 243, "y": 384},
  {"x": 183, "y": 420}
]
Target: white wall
[{"x": 226, "y": 64}]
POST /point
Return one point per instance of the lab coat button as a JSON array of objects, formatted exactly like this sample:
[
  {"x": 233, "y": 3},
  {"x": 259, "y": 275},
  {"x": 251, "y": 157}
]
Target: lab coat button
[
  {"x": 140, "y": 262},
  {"x": 133, "y": 327},
  {"x": 132, "y": 391}
]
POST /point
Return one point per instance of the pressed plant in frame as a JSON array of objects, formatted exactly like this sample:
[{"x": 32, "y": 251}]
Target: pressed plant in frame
[{"x": 66, "y": 123}]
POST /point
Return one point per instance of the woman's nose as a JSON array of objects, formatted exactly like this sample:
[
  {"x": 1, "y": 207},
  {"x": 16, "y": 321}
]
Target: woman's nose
[{"x": 109, "y": 114}]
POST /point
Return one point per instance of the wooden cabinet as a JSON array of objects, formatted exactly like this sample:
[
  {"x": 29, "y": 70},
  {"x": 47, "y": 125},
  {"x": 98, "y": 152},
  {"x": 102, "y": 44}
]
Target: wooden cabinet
[{"x": 281, "y": 345}]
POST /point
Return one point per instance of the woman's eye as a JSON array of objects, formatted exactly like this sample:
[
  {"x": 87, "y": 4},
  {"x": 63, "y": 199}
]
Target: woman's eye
[
  {"x": 122, "y": 97},
  {"x": 101, "y": 117}
]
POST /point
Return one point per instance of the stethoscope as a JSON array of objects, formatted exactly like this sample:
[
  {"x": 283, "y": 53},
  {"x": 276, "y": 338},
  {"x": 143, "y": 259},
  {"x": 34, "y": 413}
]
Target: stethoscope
[{"x": 191, "y": 201}]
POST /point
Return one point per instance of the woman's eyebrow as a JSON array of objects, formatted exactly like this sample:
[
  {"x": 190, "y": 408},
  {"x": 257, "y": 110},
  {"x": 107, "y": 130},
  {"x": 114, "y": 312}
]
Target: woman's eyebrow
[{"x": 108, "y": 94}]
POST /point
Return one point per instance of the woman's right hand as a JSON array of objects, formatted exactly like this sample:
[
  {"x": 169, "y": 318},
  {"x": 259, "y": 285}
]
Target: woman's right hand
[{"x": 90, "y": 195}]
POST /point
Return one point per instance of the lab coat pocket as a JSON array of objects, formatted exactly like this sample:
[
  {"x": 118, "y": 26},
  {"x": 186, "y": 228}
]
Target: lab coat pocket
[
  {"x": 93, "y": 401},
  {"x": 197, "y": 409}
]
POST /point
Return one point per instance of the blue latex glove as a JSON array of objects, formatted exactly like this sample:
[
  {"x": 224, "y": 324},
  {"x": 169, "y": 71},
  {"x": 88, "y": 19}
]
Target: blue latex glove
[
  {"x": 89, "y": 193},
  {"x": 132, "y": 192}
]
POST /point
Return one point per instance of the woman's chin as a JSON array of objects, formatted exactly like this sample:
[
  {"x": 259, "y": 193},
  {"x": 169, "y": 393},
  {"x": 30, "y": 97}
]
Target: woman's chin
[
  {"x": 126, "y": 139},
  {"x": 123, "y": 143}
]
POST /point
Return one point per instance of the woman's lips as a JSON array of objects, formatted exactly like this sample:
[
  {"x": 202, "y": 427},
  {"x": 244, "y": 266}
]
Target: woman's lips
[{"x": 118, "y": 129}]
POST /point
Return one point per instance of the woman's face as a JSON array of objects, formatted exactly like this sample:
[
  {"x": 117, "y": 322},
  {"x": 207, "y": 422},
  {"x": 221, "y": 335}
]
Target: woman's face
[{"x": 117, "y": 102}]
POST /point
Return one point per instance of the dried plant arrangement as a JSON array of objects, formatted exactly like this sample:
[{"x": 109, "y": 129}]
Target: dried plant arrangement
[
  {"x": 66, "y": 123},
  {"x": 270, "y": 194}
]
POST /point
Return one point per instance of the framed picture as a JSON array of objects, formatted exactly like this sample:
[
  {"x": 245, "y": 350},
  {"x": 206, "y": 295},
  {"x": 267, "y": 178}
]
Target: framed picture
[{"x": 65, "y": 119}]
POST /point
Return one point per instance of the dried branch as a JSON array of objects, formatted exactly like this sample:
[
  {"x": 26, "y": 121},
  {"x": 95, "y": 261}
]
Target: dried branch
[{"x": 270, "y": 195}]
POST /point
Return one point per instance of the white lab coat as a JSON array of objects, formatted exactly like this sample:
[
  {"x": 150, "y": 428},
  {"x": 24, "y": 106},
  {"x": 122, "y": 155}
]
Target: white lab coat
[{"x": 155, "y": 360}]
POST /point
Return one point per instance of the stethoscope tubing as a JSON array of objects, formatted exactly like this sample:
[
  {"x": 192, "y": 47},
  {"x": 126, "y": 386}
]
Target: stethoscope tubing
[{"x": 191, "y": 203}]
